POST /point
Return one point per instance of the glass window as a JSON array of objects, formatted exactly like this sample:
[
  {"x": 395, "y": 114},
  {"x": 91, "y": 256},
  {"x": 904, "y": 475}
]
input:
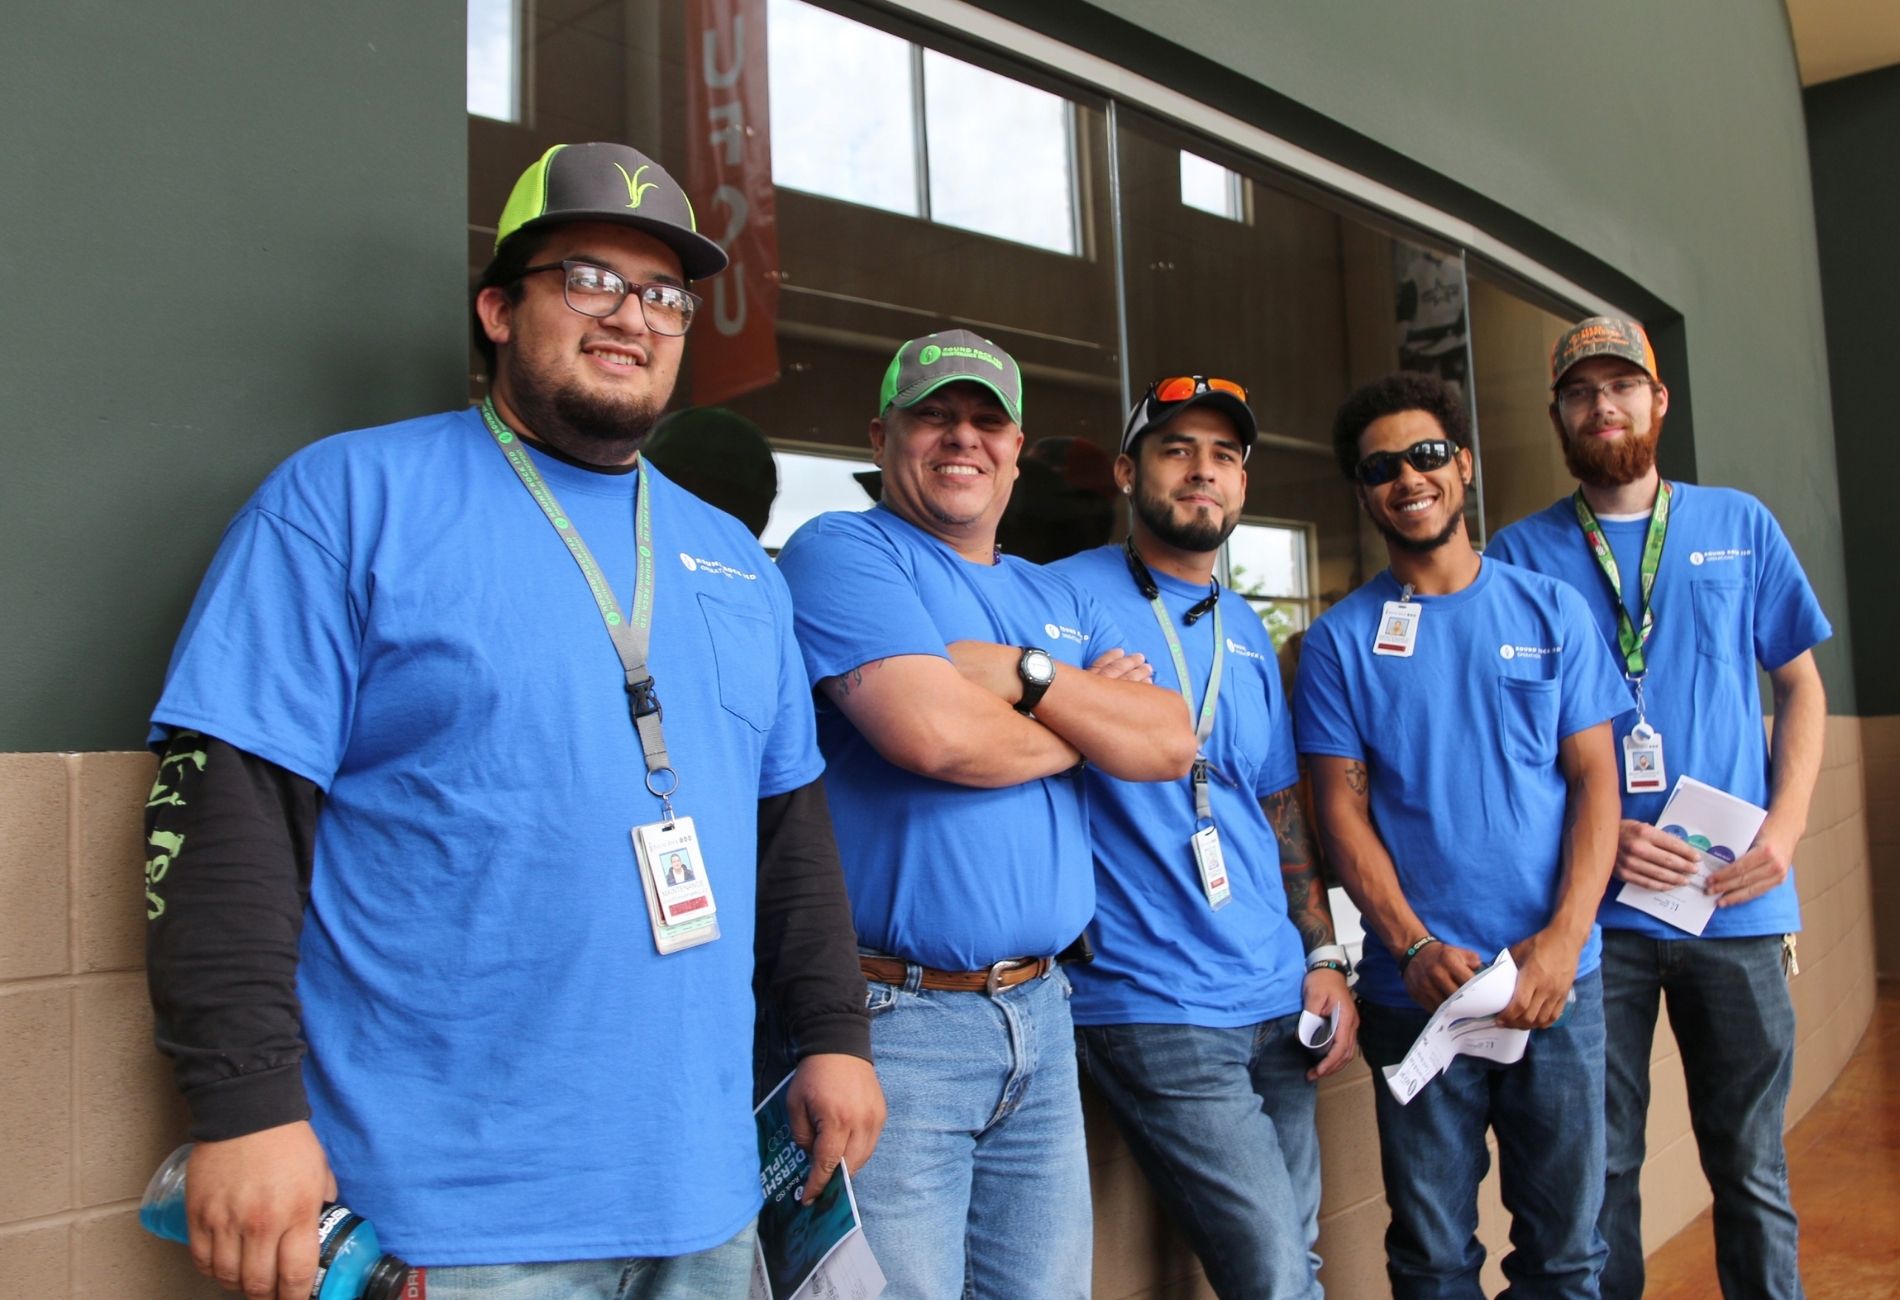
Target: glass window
[
  {"x": 1001, "y": 158},
  {"x": 1267, "y": 563},
  {"x": 843, "y": 108},
  {"x": 809, "y": 485},
  {"x": 861, "y": 115},
  {"x": 1211, "y": 187},
  {"x": 494, "y": 59},
  {"x": 1522, "y": 468}
]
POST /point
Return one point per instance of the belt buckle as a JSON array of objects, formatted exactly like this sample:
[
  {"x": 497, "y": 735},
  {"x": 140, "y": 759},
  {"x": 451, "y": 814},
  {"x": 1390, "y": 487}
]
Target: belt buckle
[{"x": 992, "y": 986}]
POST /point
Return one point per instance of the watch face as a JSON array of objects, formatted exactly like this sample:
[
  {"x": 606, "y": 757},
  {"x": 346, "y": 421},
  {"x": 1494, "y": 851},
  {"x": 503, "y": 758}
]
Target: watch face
[{"x": 1038, "y": 667}]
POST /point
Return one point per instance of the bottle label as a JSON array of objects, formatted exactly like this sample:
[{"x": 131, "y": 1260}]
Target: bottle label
[{"x": 334, "y": 1228}]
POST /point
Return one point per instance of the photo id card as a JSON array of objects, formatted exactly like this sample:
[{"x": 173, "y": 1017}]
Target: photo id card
[
  {"x": 679, "y": 895},
  {"x": 1213, "y": 866},
  {"x": 1643, "y": 760},
  {"x": 1398, "y": 629}
]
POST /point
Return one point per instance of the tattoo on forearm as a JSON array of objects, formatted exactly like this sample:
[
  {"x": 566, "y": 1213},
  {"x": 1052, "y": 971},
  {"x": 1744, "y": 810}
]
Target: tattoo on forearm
[
  {"x": 844, "y": 683},
  {"x": 1306, "y": 903},
  {"x": 1356, "y": 777}
]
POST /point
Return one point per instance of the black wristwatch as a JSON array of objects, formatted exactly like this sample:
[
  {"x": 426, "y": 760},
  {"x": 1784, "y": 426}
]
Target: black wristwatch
[{"x": 1038, "y": 671}]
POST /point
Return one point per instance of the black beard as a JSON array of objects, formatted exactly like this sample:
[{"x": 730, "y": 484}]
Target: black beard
[
  {"x": 1425, "y": 545},
  {"x": 1421, "y": 546},
  {"x": 1196, "y": 537},
  {"x": 578, "y": 422}
]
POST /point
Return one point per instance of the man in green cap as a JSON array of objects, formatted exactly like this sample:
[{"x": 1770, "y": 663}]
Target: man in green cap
[
  {"x": 960, "y": 691},
  {"x": 452, "y": 697}
]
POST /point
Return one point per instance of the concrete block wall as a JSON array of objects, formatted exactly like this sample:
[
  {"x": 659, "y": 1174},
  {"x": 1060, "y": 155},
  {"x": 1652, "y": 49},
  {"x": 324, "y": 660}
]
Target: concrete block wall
[{"x": 87, "y": 1108}]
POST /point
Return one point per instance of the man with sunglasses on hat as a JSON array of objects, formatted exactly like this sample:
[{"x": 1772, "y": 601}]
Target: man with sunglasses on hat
[
  {"x": 446, "y": 704},
  {"x": 960, "y": 689},
  {"x": 1456, "y": 713},
  {"x": 1692, "y": 588},
  {"x": 1212, "y": 931}
]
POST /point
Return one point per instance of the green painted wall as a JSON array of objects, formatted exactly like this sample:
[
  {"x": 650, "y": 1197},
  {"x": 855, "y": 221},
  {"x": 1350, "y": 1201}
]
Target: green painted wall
[
  {"x": 234, "y": 227},
  {"x": 1654, "y": 152},
  {"x": 1852, "y": 127},
  {"x": 230, "y": 228}
]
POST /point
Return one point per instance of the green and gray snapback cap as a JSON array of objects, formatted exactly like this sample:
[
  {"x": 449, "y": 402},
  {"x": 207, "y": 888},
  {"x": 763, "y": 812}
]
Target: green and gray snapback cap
[
  {"x": 609, "y": 182},
  {"x": 924, "y": 365}
]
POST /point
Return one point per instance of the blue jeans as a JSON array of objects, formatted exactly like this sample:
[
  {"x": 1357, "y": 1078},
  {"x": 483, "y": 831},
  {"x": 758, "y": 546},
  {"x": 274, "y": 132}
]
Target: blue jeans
[
  {"x": 980, "y": 1186},
  {"x": 1222, "y": 1123},
  {"x": 722, "y": 1273},
  {"x": 1547, "y": 1111},
  {"x": 1729, "y": 1007}
]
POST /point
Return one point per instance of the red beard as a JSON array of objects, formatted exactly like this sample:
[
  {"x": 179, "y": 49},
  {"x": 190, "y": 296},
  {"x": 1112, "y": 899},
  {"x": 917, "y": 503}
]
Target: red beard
[{"x": 1612, "y": 462}]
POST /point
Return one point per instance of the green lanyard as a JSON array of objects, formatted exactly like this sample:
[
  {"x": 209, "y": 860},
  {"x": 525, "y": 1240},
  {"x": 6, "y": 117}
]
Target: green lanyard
[
  {"x": 1204, "y": 717},
  {"x": 631, "y": 638},
  {"x": 1627, "y": 637}
]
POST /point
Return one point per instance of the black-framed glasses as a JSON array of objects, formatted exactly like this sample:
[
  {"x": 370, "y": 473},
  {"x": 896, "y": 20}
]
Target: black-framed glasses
[
  {"x": 595, "y": 291},
  {"x": 1425, "y": 456},
  {"x": 1581, "y": 396}
]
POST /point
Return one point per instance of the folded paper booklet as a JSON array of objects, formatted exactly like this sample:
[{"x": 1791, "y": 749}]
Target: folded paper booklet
[
  {"x": 1717, "y": 825},
  {"x": 805, "y": 1252},
  {"x": 1465, "y": 1024}
]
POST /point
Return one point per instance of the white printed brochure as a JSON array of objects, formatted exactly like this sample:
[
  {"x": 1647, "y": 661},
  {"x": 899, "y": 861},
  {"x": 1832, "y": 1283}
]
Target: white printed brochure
[
  {"x": 1718, "y": 826},
  {"x": 1465, "y": 1024}
]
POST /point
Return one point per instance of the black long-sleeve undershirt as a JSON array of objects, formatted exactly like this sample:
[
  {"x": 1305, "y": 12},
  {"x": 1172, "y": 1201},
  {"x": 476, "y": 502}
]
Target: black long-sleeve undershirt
[{"x": 230, "y": 843}]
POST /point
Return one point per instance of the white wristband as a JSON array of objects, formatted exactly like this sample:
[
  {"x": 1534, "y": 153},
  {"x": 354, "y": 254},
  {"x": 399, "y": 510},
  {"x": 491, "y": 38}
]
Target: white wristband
[{"x": 1327, "y": 952}]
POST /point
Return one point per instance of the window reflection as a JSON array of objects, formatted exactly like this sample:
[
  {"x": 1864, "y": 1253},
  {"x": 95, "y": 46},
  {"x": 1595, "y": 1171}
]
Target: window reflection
[
  {"x": 843, "y": 108},
  {"x": 494, "y": 59}
]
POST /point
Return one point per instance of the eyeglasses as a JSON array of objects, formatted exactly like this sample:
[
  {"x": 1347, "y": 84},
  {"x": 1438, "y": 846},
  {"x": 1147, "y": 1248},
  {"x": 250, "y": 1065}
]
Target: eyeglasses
[
  {"x": 1383, "y": 466},
  {"x": 1178, "y": 388},
  {"x": 595, "y": 291},
  {"x": 1581, "y": 397}
]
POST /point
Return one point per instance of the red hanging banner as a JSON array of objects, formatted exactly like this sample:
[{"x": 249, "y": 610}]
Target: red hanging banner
[{"x": 729, "y": 179}]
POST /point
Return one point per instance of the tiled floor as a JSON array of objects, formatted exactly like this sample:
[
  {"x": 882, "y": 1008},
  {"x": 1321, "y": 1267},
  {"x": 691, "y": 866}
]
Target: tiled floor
[{"x": 1844, "y": 1168}]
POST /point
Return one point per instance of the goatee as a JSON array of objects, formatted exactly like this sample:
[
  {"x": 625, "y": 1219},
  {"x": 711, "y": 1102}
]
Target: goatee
[
  {"x": 582, "y": 423},
  {"x": 1612, "y": 462},
  {"x": 1421, "y": 545},
  {"x": 1200, "y": 534}
]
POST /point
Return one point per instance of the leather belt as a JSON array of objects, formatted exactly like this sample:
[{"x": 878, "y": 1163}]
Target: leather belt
[{"x": 1003, "y": 975}]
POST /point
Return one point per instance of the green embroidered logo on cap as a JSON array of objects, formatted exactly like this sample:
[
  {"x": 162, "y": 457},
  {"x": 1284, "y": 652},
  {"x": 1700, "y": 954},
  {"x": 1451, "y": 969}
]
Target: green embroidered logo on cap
[
  {"x": 975, "y": 354},
  {"x": 929, "y": 355},
  {"x": 635, "y": 190}
]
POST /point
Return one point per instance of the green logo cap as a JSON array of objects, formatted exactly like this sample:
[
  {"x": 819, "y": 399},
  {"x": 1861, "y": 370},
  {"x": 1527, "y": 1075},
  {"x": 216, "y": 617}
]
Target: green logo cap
[
  {"x": 609, "y": 182},
  {"x": 924, "y": 365}
]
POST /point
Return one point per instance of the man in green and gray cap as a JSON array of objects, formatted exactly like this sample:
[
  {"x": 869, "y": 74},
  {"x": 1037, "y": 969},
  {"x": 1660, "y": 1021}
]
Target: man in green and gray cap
[
  {"x": 421, "y": 688},
  {"x": 959, "y": 690}
]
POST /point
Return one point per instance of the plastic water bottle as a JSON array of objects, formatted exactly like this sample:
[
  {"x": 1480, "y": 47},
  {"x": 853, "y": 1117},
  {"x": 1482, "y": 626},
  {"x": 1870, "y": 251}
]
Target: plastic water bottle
[{"x": 351, "y": 1264}]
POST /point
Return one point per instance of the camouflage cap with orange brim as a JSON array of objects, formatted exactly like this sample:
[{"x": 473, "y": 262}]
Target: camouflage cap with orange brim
[{"x": 1602, "y": 336}]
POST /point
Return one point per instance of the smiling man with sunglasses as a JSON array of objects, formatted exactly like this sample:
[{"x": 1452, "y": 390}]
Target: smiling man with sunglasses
[
  {"x": 428, "y": 758},
  {"x": 1212, "y": 930},
  {"x": 1692, "y": 589},
  {"x": 1456, "y": 712}
]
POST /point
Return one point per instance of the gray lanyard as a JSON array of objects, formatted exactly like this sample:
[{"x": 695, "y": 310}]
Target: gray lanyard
[
  {"x": 1204, "y": 717},
  {"x": 631, "y": 637}
]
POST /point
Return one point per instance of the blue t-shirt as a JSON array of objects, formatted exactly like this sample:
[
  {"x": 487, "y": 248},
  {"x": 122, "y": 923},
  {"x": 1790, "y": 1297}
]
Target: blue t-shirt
[
  {"x": 1162, "y": 955},
  {"x": 501, "y": 1067},
  {"x": 1729, "y": 595},
  {"x": 941, "y": 874},
  {"x": 1460, "y": 746}
]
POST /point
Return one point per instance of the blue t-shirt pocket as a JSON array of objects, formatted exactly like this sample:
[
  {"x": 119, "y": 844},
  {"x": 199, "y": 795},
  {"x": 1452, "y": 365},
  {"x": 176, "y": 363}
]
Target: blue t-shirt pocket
[
  {"x": 745, "y": 656},
  {"x": 1718, "y": 618},
  {"x": 1527, "y": 719}
]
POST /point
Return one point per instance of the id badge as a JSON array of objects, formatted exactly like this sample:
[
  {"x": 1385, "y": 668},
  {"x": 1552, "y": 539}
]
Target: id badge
[
  {"x": 679, "y": 895},
  {"x": 1643, "y": 760},
  {"x": 1213, "y": 867},
  {"x": 1398, "y": 629}
]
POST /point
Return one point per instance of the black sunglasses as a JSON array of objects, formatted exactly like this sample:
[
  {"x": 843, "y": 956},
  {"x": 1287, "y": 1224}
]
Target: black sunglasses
[{"x": 1383, "y": 466}]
